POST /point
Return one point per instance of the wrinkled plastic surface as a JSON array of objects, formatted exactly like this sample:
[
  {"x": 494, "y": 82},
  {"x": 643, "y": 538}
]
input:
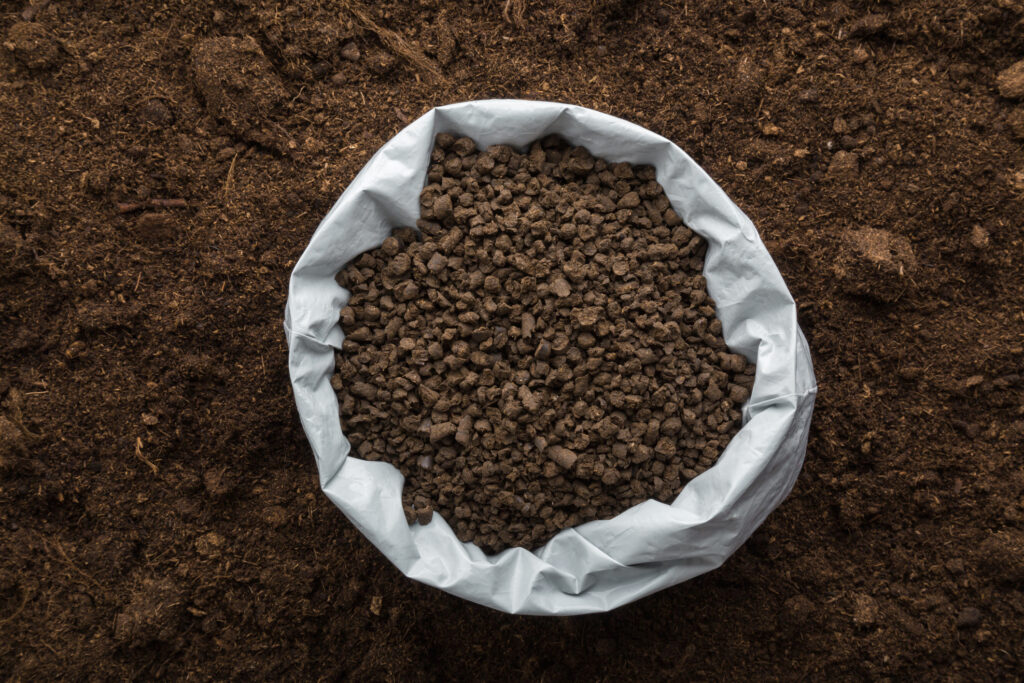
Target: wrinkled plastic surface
[{"x": 599, "y": 565}]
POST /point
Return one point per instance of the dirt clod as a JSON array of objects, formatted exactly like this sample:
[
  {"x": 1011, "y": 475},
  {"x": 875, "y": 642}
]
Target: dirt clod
[
  {"x": 876, "y": 264},
  {"x": 275, "y": 516},
  {"x": 1010, "y": 81},
  {"x": 547, "y": 349},
  {"x": 1000, "y": 553},
  {"x": 865, "y": 610},
  {"x": 799, "y": 608},
  {"x": 12, "y": 443},
  {"x": 155, "y": 226},
  {"x": 33, "y": 45},
  {"x": 969, "y": 617},
  {"x": 1016, "y": 122},
  {"x": 844, "y": 165},
  {"x": 380, "y": 62},
  {"x": 868, "y": 25},
  {"x": 156, "y": 113},
  {"x": 151, "y": 615},
  {"x": 350, "y": 52},
  {"x": 979, "y": 238},
  {"x": 210, "y": 544},
  {"x": 240, "y": 87},
  {"x": 747, "y": 85},
  {"x": 217, "y": 482},
  {"x": 97, "y": 182}
]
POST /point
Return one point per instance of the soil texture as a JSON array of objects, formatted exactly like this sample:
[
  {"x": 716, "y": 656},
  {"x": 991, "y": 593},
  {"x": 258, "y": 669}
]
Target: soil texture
[{"x": 165, "y": 163}]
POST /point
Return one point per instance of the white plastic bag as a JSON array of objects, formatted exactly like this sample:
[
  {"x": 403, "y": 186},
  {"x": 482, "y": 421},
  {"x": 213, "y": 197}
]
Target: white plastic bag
[{"x": 599, "y": 565}]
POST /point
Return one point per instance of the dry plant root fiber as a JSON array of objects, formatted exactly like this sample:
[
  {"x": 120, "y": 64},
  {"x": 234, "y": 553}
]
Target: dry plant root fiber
[{"x": 542, "y": 351}]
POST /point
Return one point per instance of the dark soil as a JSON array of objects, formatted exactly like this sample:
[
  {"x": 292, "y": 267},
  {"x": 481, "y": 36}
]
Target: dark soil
[
  {"x": 543, "y": 352},
  {"x": 158, "y": 502}
]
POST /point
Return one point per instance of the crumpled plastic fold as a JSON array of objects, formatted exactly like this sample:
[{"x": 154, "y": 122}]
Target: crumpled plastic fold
[{"x": 599, "y": 565}]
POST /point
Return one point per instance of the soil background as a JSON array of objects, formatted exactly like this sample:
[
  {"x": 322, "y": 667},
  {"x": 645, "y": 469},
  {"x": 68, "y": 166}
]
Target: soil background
[{"x": 159, "y": 511}]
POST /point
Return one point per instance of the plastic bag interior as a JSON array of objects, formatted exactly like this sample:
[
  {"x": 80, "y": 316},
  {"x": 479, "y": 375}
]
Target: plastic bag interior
[{"x": 599, "y": 565}]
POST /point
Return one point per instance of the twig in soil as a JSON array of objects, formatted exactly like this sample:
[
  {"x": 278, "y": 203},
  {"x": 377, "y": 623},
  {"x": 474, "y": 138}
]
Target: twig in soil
[
  {"x": 34, "y": 8},
  {"x": 24, "y": 601},
  {"x": 69, "y": 562},
  {"x": 129, "y": 207},
  {"x": 230, "y": 180},
  {"x": 169, "y": 203},
  {"x": 16, "y": 418},
  {"x": 52, "y": 649},
  {"x": 140, "y": 456},
  {"x": 395, "y": 42},
  {"x": 514, "y": 11},
  {"x": 91, "y": 119}
]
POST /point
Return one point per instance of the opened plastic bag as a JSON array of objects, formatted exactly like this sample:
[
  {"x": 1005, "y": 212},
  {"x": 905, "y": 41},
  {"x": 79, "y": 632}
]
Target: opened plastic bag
[{"x": 599, "y": 565}]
